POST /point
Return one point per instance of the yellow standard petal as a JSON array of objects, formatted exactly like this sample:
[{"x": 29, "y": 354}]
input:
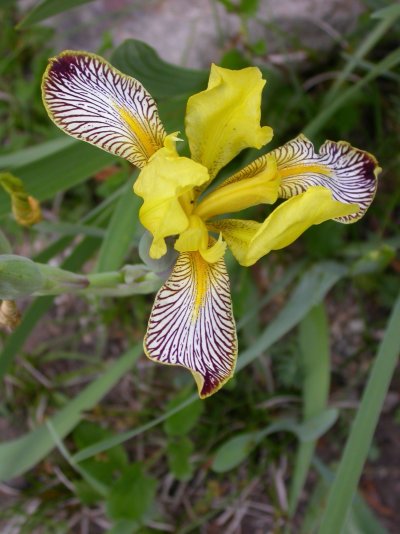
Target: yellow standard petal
[
  {"x": 350, "y": 174},
  {"x": 225, "y": 118},
  {"x": 192, "y": 325},
  {"x": 287, "y": 222},
  {"x": 91, "y": 100},
  {"x": 164, "y": 184},
  {"x": 258, "y": 183}
]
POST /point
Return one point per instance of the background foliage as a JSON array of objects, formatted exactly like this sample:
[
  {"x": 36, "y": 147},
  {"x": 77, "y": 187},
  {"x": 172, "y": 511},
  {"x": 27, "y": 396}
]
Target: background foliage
[{"x": 94, "y": 438}]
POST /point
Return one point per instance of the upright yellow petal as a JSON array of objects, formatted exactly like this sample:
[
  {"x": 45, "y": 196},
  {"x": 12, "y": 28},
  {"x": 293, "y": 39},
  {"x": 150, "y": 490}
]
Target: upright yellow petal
[
  {"x": 163, "y": 185},
  {"x": 350, "y": 174},
  {"x": 225, "y": 118},
  {"x": 192, "y": 325},
  {"x": 287, "y": 222}
]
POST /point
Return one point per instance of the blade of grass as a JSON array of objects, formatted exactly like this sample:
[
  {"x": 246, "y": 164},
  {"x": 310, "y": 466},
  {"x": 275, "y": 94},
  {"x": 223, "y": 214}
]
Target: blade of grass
[
  {"x": 387, "y": 19},
  {"x": 19, "y": 455},
  {"x": 46, "y": 174},
  {"x": 47, "y": 9},
  {"x": 386, "y": 64},
  {"x": 355, "y": 454},
  {"x": 314, "y": 353},
  {"x": 120, "y": 231}
]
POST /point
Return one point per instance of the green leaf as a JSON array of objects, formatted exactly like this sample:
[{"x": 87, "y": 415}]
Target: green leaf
[
  {"x": 132, "y": 496},
  {"x": 237, "y": 449},
  {"x": 21, "y": 454},
  {"x": 315, "y": 366},
  {"x": 182, "y": 422},
  {"x": 363, "y": 428},
  {"x": 163, "y": 80},
  {"x": 120, "y": 231},
  {"x": 314, "y": 427},
  {"x": 179, "y": 450},
  {"x": 234, "y": 451},
  {"x": 47, "y": 9},
  {"x": 48, "y": 172},
  {"x": 104, "y": 467},
  {"x": 312, "y": 288}
]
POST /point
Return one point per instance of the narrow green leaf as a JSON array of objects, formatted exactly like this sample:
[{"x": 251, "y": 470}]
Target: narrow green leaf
[
  {"x": 311, "y": 290},
  {"x": 69, "y": 164},
  {"x": 21, "y": 454},
  {"x": 388, "y": 63},
  {"x": 47, "y": 9},
  {"x": 388, "y": 17},
  {"x": 120, "y": 231},
  {"x": 315, "y": 366},
  {"x": 355, "y": 454}
]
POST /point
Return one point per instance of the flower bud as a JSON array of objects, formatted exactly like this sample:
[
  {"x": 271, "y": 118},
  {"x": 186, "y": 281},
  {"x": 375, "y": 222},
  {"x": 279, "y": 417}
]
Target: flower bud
[
  {"x": 56, "y": 281},
  {"x": 18, "y": 277},
  {"x": 25, "y": 208}
]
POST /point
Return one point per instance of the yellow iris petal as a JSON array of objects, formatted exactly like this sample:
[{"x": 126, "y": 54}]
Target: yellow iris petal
[
  {"x": 292, "y": 218},
  {"x": 163, "y": 185},
  {"x": 225, "y": 118},
  {"x": 195, "y": 238},
  {"x": 258, "y": 183},
  {"x": 237, "y": 233}
]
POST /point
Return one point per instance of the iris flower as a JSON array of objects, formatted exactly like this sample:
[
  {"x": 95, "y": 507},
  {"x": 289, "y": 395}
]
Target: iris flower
[{"x": 191, "y": 322}]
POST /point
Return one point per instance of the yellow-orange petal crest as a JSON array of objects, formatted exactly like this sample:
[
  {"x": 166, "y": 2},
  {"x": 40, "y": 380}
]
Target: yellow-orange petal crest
[
  {"x": 192, "y": 325},
  {"x": 349, "y": 173},
  {"x": 91, "y": 100},
  {"x": 225, "y": 118}
]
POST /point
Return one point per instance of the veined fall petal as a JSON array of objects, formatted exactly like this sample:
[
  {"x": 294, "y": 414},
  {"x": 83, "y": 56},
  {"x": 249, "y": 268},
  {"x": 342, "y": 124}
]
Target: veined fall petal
[
  {"x": 91, "y": 100},
  {"x": 289, "y": 220},
  {"x": 192, "y": 325},
  {"x": 351, "y": 174},
  {"x": 225, "y": 118},
  {"x": 164, "y": 184}
]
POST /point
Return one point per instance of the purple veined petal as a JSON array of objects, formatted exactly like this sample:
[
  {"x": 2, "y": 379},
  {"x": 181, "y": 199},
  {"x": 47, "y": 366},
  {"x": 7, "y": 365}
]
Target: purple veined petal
[
  {"x": 351, "y": 174},
  {"x": 192, "y": 325},
  {"x": 92, "y": 101}
]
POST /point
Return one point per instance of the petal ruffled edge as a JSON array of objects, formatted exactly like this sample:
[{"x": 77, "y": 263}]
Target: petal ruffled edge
[
  {"x": 191, "y": 324},
  {"x": 349, "y": 173},
  {"x": 92, "y": 101},
  {"x": 225, "y": 118}
]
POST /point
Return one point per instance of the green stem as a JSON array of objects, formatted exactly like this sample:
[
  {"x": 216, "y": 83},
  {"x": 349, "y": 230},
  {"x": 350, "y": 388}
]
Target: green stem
[
  {"x": 359, "y": 442},
  {"x": 102, "y": 280}
]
